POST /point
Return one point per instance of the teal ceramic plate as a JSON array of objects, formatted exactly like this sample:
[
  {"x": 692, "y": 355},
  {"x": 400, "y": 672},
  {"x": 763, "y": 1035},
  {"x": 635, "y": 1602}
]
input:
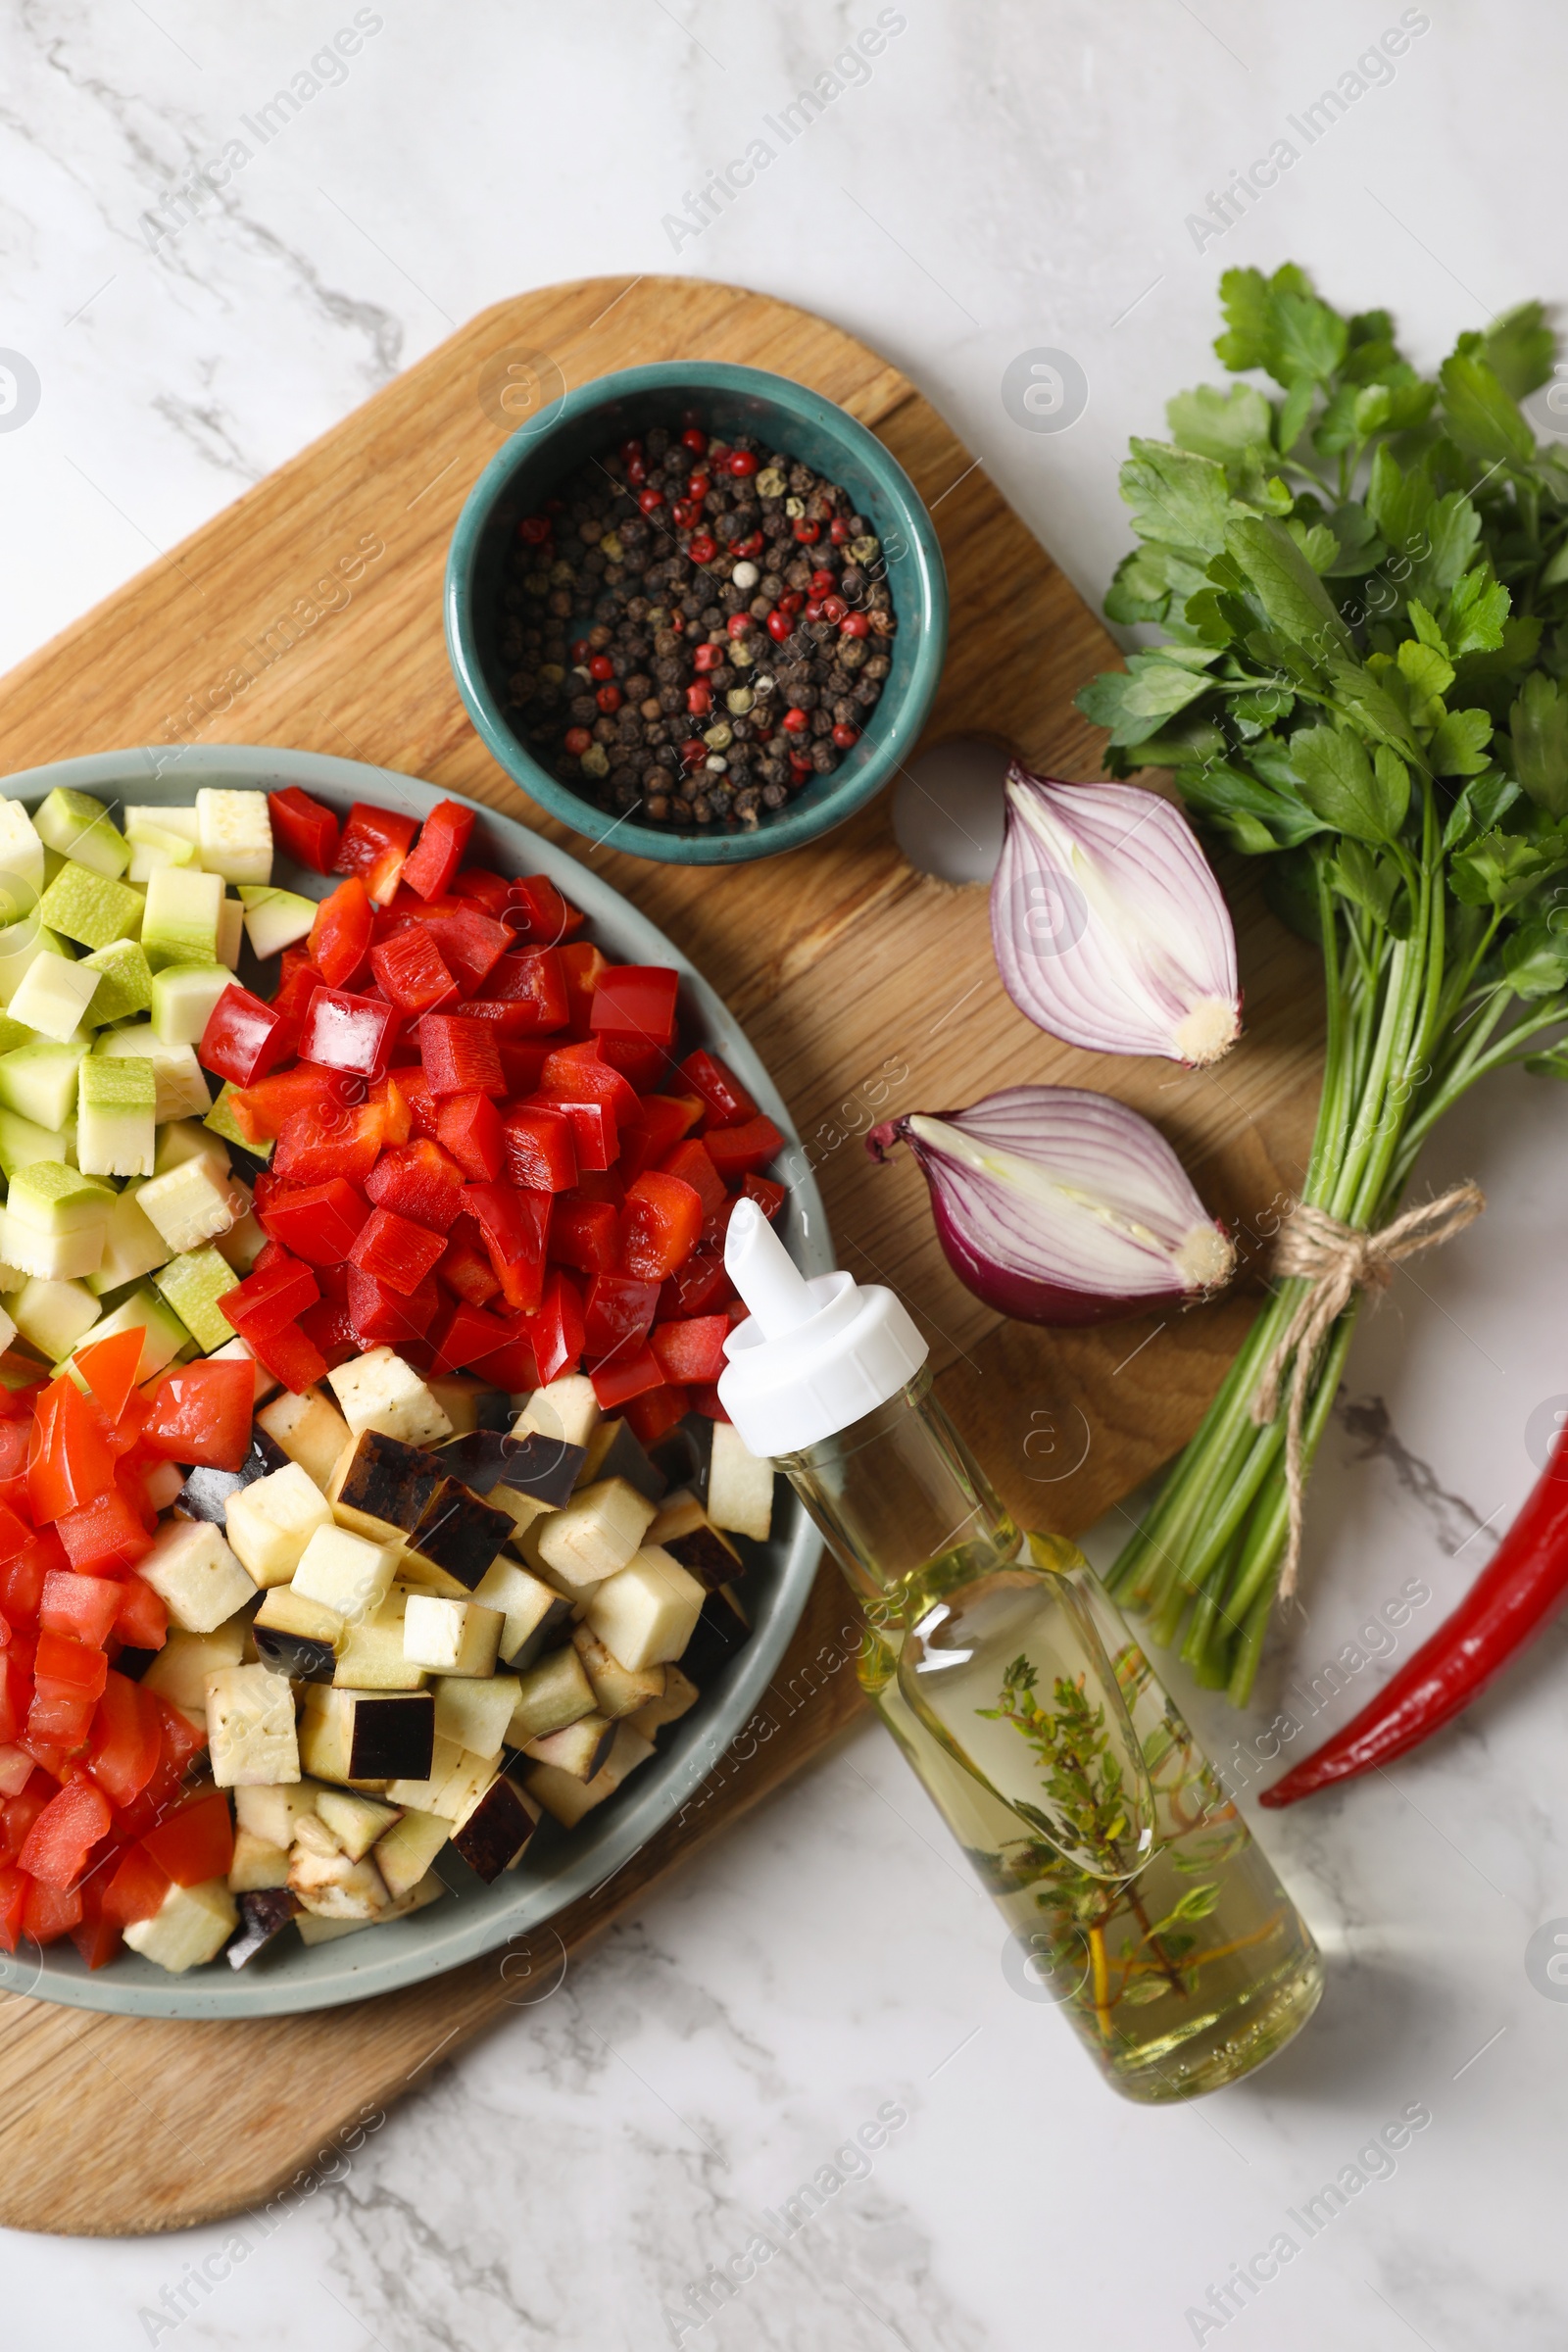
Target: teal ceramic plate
[
  {"x": 558, "y": 1866},
  {"x": 731, "y": 400}
]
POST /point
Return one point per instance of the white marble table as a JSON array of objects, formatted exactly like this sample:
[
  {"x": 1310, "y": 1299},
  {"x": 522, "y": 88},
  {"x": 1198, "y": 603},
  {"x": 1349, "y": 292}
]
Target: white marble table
[{"x": 1001, "y": 179}]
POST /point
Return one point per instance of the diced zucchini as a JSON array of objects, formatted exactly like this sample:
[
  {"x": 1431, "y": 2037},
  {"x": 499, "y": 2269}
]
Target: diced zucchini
[
  {"x": 181, "y": 917},
  {"x": 78, "y": 827},
  {"x": 133, "y": 1244},
  {"x": 21, "y": 1142},
  {"x": 52, "y": 1316},
  {"x": 230, "y": 933},
  {"x": 51, "y": 1197},
  {"x": 182, "y": 1091},
  {"x": 270, "y": 1522},
  {"x": 115, "y": 1103},
  {"x": 196, "y": 1575},
  {"x": 83, "y": 904},
  {"x": 20, "y": 946},
  {"x": 53, "y": 995},
  {"x": 178, "y": 819},
  {"x": 192, "y": 1924},
  {"x": 40, "y": 1082},
  {"x": 125, "y": 981},
  {"x": 274, "y": 919},
  {"x": 182, "y": 998},
  {"x": 450, "y": 1636},
  {"x": 250, "y": 1728},
  {"x": 21, "y": 858},
  {"x": 164, "y": 1335},
  {"x": 156, "y": 853},
  {"x": 234, "y": 830},
  {"x": 223, "y": 1122},
  {"x": 379, "y": 1390},
  {"x": 193, "y": 1283},
  {"x": 242, "y": 1245},
  {"x": 646, "y": 1615},
  {"x": 309, "y": 1429},
  {"x": 54, "y": 1256},
  {"x": 189, "y": 1138},
  {"x": 186, "y": 1206}
]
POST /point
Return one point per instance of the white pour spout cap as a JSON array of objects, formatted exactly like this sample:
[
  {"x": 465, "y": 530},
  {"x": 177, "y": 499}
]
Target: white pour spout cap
[{"x": 817, "y": 1354}]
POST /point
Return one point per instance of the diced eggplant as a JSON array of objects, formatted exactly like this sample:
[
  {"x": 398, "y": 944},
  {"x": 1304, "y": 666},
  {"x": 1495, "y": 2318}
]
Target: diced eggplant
[
  {"x": 380, "y": 1487},
  {"x": 580, "y": 1748},
  {"x": 545, "y": 1468},
  {"x": 448, "y": 1635},
  {"x": 206, "y": 1491},
  {"x": 566, "y": 1798},
  {"x": 355, "y": 1821},
  {"x": 684, "y": 1453},
  {"x": 256, "y": 1864},
  {"x": 685, "y": 1531},
  {"x": 297, "y": 1636},
  {"x": 567, "y": 1408},
  {"x": 367, "y": 1737},
  {"x": 406, "y": 1851},
  {"x": 680, "y": 1695},
  {"x": 550, "y": 1696},
  {"x": 475, "y": 1710},
  {"x": 458, "y": 1535},
  {"x": 646, "y": 1615},
  {"x": 371, "y": 1656},
  {"x": 309, "y": 1428},
  {"x": 456, "y": 1781},
  {"x": 461, "y": 1398},
  {"x": 614, "y": 1450},
  {"x": 134, "y": 1663},
  {"x": 722, "y": 1630},
  {"x": 616, "y": 1689},
  {"x": 262, "y": 1914},
  {"x": 274, "y": 1813},
  {"x": 597, "y": 1532},
  {"x": 326, "y": 1931},
  {"x": 330, "y": 1882},
  {"x": 534, "y": 1618},
  {"x": 492, "y": 1836},
  {"x": 740, "y": 1486}
]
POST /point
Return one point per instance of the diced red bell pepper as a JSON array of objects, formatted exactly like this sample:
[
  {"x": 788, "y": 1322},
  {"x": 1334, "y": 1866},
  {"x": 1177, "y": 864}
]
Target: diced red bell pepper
[
  {"x": 243, "y": 1038},
  {"x": 508, "y": 1023},
  {"x": 316, "y": 1222},
  {"x": 585, "y": 1234},
  {"x": 14, "y": 1887},
  {"x": 387, "y": 1096},
  {"x": 643, "y": 1065},
  {"x": 329, "y": 1328},
  {"x": 691, "y": 1161},
  {"x": 395, "y": 1251},
  {"x": 662, "y": 1225},
  {"x": 299, "y": 984},
  {"x": 744, "y": 1151},
  {"x": 535, "y": 978},
  {"x": 636, "y": 1001},
  {"x": 316, "y": 1146},
  {"x": 438, "y": 853},
  {"x": 303, "y": 829},
  {"x": 594, "y": 1136},
  {"x": 50, "y": 1912},
  {"x": 368, "y": 837},
  {"x": 273, "y": 1294},
  {"x": 383, "y": 1317},
  {"x": 469, "y": 1126},
  {"x": 291, "y": 1356},
  {"x": 701, "y": 1284},
  {"x": 618, "y": 1314},
  {"x": 540, "y": 1153},
  {"x": 195, "y": 1842},
  {"x": 65, "y": 1833},
  {"x": 202, "y": 1411},
  {"x": 458, "y": 1055},
  {"x": 692, "y": 1349},
  {"x": 727, "y": 1101},
  {"x": 137, "y": 1887},
  {"x": 514, "y": 1367},
  {"x": 556, "y": 1329},
  {"x": 96, "y": 1938},
  {"x": 707, "y": 1402},
  {"x": 490, "y": 891},
  {"x": 654, "y": 1413},
  {"x": 127, "y": 1742},
  {"x": 623, "y": 1377},
  {"x": 464, "y": 1333},
  {"x": 582, "y": 966},
  {"x": 424, "y": 1108},
  {"x": 110, "y": 1368},
  {"x": 345, "y": 1032},
  {"x": 261, "y": 1111},
  {"x": 468, "y": 1273},
  {"x": 472, "y": 942},
  {"x": 662, "y": 1121},
  {"x": 580, "y": 1072},
  {"x": 521, "y": 1061},
  {"x": 412, "y": 973},
  {"x": 539, "y": 914},
  {"x": 515, "y": 1227},
  {"x": 768, "y": 1195},
  {"x": 340, "y": 936},
  {"x": 143, "y": 1619},
  {"x": 69, "y": 1459},
  {"x": 422, "y": 1180}
]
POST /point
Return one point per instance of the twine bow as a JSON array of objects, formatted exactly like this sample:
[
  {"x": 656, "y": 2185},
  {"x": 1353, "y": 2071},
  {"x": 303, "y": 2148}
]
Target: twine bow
[{"x": 1335, "y": 1261}]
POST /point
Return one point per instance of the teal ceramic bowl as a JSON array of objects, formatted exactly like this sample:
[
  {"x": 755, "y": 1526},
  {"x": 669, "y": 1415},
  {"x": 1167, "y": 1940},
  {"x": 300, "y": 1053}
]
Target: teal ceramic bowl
[{"x": 731, "y": 400}]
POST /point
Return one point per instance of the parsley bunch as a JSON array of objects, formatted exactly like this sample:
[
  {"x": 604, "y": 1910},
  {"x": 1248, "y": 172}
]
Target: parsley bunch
[{"x": 1362, "y": 588}]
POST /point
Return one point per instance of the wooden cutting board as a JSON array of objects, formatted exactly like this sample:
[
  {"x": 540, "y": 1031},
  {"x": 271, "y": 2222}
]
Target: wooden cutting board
[{"x": 308, "y": 613}]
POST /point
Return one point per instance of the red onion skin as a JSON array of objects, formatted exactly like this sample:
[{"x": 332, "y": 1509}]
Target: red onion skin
[{"x": 1016, "y": 1295}]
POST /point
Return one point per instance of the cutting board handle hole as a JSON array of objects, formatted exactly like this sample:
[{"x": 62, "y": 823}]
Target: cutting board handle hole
[{"x": 947, "y": 808}]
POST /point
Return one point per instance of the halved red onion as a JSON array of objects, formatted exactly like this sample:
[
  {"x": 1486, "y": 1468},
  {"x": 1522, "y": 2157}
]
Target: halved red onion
[
  {"x": 1109, "y": 928},
  {"x": 1055, "y": 1206}
]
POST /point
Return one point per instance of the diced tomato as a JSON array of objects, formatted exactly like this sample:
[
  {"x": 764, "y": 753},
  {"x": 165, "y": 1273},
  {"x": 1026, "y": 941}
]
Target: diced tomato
[
  {"x": 460, "y": 1057},
  {"x": 539, "y": 914},
  {"x": 490, "y": 891},
  {"x": 350, "y": 1033},
  {"x": 469, "y": 1126},
  {"x": 701, "y": 1284},
  {"x": 472, "y": 942},
  {"x": 462, "y": 1334},
  {"x": 110, "y": 1368},
  {"x": 137, "y": 1887},
  {"x": 49, "y": 1912},
  {"x": 623, "y": 1377},
  {"x": 727, "y": 1102},
  {"x": 59, "y": 1719},
  {"x": 535, "y": 981},
  {"x": 691, "y": 1162},
  {"x": 410, "y": 967},
  {"x": 317, "y": 1145},
  {"x": 693, "y": 1349},
  {"x": 556, "y": 1331},
  {"x": 395, "y": 1251},
  {"x": 316, "y": 1222},
  {"x": 65, "y": 1833},
  {"x": 383, "y": 1317},
  {"x": 422, "y": 1180},
  {"x": 768, "y": 1195},
  {"x": 84, "y": 1606},
  {"x": 618, "y": 1314},
  {"x": 654, "y": 1413},
  {"x": 96, "y": 1936},
  {"x": 584, "y": 1233},
  {"x": 15, "y": 1533},
  {"x": 261, "y": 1111},
  {"x": 540, "y": 1154},
  {"x": 63, "y": 1663},
  {"x": 196, "y": 1843},
  {"x": 13, "y": 1897},
  {"x": 468, "y": 1273},
  {"x": 662, "y": 1224},
  {"x": 202, "y": 1412},
  {"x": 443, "y": 838},
  {"x": 744, "y": 1151},
  {"x": 143, "y": 1619},
  {"x": 70, "y": 1461},
  {"x": 515, "y": 1227},
  {"x": 22, "y": 1579},
  {"x": 243, "y": 1038},
  {"x": 329, "y": 1328},
  {"x": 303, "y": 828},
  {"x": 102, "y": 1539},
  {"x": 375, "y": 842},
  {"x": 127, "y": 1742},
  {"x": 661, "y": 1123},
  {"x": 273, "y": 1294},
  {"x": 582, "y": 966},
  {"x": 340, "y": 936},
  {"x": 292, "y": 1357}
]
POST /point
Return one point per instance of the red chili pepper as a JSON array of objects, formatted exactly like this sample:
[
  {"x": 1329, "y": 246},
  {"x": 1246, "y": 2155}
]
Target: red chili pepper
[{"x": 1514, "y": 1598}]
